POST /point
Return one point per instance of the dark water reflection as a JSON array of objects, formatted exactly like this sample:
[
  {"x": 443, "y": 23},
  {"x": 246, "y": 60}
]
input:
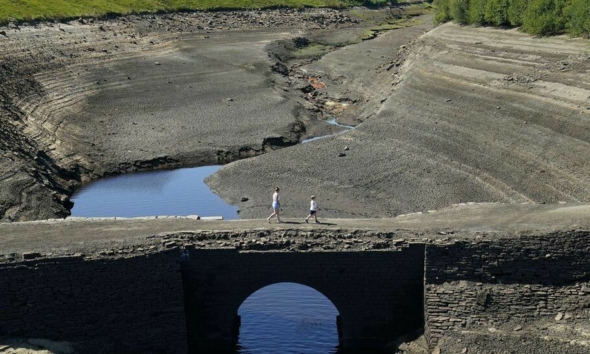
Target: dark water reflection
[
  {"x": 174, "y": 192},
  {"x": 288, "y": 318}
]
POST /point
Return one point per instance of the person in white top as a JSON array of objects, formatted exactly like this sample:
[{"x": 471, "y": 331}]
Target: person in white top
[
  {"x": 276, "y": 205},
  {"x": 313, "y": 210}
]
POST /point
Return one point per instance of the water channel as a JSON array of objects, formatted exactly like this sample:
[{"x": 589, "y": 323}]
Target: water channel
[{"x": 281, "y": 318}]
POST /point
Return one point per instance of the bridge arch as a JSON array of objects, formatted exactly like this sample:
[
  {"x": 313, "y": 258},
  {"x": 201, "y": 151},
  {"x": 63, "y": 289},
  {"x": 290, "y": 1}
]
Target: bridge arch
[
  {"x": 282, "y": 316},
  {"x": 379, "y": 295}
]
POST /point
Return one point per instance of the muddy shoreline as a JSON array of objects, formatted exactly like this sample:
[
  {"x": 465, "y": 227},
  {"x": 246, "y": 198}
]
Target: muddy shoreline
[{"x": 65, "y": 116}]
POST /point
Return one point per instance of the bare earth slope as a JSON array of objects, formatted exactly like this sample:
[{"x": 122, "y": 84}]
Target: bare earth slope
[
  {"x": 480, "y": 115},
  {"x": 85, "y": 99}
]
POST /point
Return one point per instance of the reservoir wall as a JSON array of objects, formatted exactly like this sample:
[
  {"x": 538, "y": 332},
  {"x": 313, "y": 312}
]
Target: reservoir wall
[{"x": 180, "y": 292}]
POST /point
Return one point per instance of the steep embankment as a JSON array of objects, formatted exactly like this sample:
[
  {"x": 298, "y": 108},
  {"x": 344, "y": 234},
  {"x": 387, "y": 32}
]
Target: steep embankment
[
  {"x": 480, "y": 115},
  {"x": 88, "y": 98}
]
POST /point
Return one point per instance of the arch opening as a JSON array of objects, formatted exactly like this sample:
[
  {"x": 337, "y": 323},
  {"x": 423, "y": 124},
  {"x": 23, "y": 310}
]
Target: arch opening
[{"x": 287, "y": 318}]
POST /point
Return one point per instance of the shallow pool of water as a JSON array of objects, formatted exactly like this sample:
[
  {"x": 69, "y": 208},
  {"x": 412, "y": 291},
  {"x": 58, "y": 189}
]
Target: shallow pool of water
[
  {"x": 288, "y": 318},
  {"x": 175, "y": 192},
  {"x": 331, "y": 121}
]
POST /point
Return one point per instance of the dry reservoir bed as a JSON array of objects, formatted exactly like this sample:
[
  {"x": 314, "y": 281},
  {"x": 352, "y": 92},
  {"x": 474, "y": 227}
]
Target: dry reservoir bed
[
  {"x": 453, "y": 115},
  {"x": 475, "y": 115}
]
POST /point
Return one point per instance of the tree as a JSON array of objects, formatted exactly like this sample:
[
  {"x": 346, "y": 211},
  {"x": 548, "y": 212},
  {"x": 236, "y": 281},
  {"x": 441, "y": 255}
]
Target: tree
[
  {"x": 578, "y": 13},
  {"x": 477, "y": 9},
  {"x": 544, "y": 17},
  {"x": 497, "y": 12},
  {"x": 443, "y": 11},
  {"x": 516, "y": 9},
  {"x": 459, "y": 11}
]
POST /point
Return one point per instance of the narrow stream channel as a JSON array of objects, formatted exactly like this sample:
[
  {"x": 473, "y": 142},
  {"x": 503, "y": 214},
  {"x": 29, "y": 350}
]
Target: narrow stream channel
[{"x": 333, "y": 122}]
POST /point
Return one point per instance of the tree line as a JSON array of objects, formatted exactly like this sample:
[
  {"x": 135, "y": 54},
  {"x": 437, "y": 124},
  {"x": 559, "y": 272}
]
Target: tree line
[{"x": 537, "y": 17}]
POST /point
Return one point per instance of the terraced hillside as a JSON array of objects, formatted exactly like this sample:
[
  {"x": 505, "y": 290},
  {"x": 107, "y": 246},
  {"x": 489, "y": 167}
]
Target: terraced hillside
[
  {"x": 479, "y": 115},
  {"x": 91, "y": 98}
]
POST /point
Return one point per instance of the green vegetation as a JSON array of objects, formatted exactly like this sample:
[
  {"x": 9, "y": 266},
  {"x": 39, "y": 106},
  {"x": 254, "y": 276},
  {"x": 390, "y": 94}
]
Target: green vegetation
[
  {"x": 312, "y": 51},
  {"x": 24, "y": 10},
  {"x": 382, "y": 21},
  {"x": 538, "y": 17}
]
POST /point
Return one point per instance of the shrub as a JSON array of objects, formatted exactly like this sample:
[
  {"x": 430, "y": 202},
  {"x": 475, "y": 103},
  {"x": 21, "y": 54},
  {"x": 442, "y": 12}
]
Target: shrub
[
  {"x": 516, "y": 9},
  {"x": 477, "y": 9},
  {"x": 443, "y": 11},
  {"x": 578, "y": 13},
  {"x": 459, "y": 11},
  {"x": 543, "y": 17},
  {"x": 497, "y": 12}
]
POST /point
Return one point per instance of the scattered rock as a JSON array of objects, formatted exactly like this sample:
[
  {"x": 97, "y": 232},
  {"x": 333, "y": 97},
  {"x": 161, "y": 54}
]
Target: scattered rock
[
  {"x": 341, "y": 154},
  {"x": 244, "y": 199},
  {"x": 346, "y": 148},
  {"x": 229, "y": 99},
  {"x": 517, "y": 328},
  {"x": 403, "y": 347},
  {"x": 448, "y": 100},
  {"x": 482, "y": 298},
  {"x": 436, "y": 350},
  {"x": 157, "y": 63},
  {"x": 31, "y": 255},
  {"x": 559, "y": 316}
]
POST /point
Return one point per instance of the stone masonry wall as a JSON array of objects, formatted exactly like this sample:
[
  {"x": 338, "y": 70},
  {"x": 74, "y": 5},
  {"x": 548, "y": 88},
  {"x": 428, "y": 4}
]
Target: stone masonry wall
[
  {"x": 506, "y": 282},
  {"x": 102, "y": 306},
  {"x": 377, "y": 293}
]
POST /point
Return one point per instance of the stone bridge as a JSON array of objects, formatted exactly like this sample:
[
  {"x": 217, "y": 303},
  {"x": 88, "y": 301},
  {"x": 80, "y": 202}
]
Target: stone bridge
[
  {"x": 378, "y": 294},
  {"x": 121, "y": 286}
]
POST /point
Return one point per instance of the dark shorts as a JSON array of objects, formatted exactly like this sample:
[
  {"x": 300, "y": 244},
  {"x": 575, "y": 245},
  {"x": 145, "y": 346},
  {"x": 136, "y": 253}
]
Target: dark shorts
[{"x": 312, "y": 212}]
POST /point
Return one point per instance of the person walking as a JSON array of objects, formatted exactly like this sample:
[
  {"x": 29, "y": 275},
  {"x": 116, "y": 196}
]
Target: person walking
[
  {"x": 276, "y": 205},
  {"x": 313, "y": 210}
]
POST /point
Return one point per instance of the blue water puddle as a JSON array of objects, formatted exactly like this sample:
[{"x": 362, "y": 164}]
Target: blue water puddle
[
  {"x": 174, "y": 192},
  {"x": 178, "y": 192}
]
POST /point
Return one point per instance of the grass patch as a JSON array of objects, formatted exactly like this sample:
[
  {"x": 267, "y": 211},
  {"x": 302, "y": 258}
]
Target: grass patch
[
  {"x": 381, "y": 21},
  {"x": 312, "y": 51},
  {"x": 26, "y": 10}
]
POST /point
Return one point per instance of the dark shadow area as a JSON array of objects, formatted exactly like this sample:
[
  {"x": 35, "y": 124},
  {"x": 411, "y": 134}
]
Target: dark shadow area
[
  {"x": 378, "y": 294},
  {"x": 555, "y": 259}
]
